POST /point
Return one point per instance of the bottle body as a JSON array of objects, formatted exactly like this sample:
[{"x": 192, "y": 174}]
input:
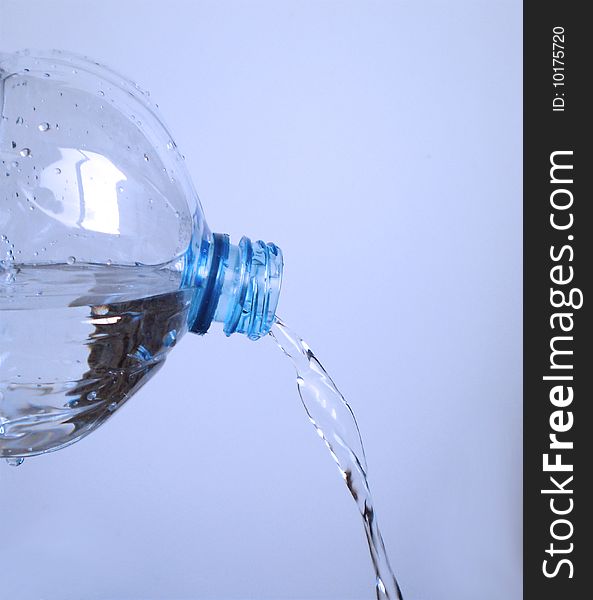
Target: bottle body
[{"x": 106, "y": 260}]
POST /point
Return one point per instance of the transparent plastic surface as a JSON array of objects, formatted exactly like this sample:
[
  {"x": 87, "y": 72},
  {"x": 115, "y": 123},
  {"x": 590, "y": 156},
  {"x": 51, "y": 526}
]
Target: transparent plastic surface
[
  {"x": 105, "y": 257},
  {"x": 91, "y": 171}
]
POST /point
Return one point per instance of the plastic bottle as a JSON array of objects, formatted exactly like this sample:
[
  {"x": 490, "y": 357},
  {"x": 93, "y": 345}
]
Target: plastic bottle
[{"x": 106, "y": 259}]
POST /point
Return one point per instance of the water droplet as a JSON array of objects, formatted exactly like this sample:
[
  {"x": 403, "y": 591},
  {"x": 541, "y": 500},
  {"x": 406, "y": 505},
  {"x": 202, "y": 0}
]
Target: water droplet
[
  {"x": 146, "y": 158},
  {"x": 170, "y": 145},
  {"x": 25, "y": 152},
  {"x": 19, "y": 120},
  {"x": 112, "y": 406},
  {"x": 109, "y": 262},
  {"x": 15, "y": 462},
  {"x": 71, "y": 260},
  {"x": 91, "y": 395},
  {"x": 57, "y": 170},
  {"x": 101, "y": 93},
  {"x": 14, "y": 164},
  {"x": 43, "y": 126}
]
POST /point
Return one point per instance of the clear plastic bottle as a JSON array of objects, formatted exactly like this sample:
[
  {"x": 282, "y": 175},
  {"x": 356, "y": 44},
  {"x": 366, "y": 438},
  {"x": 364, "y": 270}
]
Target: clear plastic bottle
[{"x": 106, "y": 259}]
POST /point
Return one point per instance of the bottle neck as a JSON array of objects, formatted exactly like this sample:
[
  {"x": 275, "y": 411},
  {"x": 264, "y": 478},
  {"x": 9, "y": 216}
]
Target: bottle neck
[{"x": 239, "y": 286}]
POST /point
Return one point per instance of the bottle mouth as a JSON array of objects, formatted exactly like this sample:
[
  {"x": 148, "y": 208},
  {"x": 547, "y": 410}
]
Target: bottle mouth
[{"x": 242, "y": 287}]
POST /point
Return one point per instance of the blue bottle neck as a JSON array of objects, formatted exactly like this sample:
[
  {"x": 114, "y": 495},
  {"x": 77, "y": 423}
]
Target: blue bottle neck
[{"x": 237, "y": 286}]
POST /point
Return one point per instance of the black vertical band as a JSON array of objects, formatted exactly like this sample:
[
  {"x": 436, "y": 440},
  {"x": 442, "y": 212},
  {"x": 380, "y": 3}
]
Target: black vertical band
[{"x": 558, "y": 348}]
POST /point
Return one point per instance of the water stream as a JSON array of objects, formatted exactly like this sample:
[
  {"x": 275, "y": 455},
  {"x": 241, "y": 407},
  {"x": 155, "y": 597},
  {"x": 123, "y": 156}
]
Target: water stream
[{"x": 332, "y": 417}]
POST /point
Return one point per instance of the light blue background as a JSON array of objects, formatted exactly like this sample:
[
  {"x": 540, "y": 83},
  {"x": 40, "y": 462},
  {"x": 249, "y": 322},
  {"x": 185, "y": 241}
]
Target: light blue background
[{"x": 379, "y": 144}]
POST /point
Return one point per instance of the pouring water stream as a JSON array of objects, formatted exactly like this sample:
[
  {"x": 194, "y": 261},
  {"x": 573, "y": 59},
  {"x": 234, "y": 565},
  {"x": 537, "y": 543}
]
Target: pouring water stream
[{"x": 335, "y": 423}]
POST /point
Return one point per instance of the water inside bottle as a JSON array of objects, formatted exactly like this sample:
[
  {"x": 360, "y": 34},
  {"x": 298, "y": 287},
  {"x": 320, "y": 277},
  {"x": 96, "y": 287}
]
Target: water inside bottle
[
  {"x": 334, "y": 421},
  {"x": 78, "y": 340}
]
